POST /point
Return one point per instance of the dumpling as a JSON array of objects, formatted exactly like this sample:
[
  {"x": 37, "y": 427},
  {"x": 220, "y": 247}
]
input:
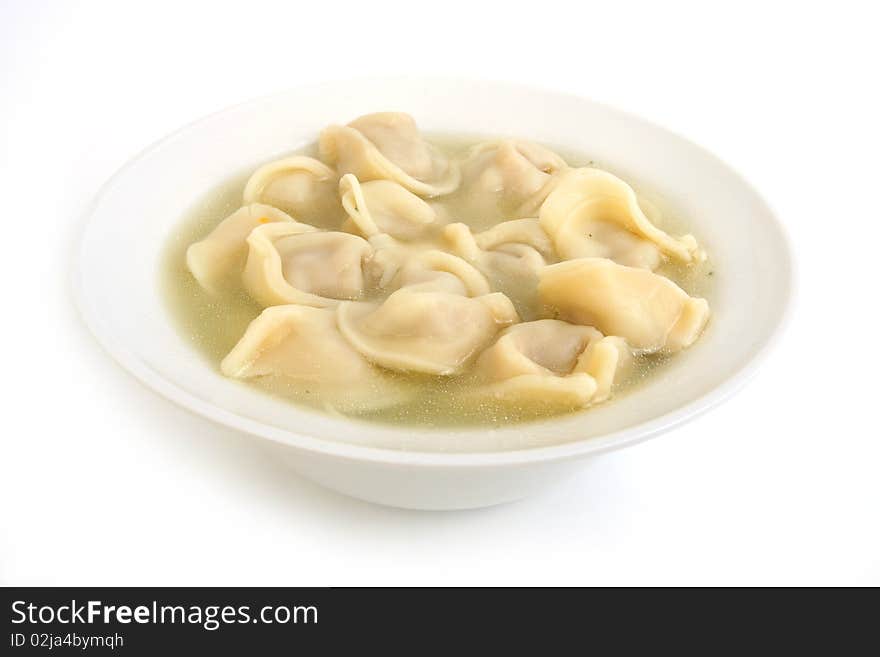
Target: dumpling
[
  {"x": 303, "y": 344},
  {"x": 430, "y": 332},
  {"x": 592, "y": 213},
  {"x": 398, "y": 264},
  {"x": 438, "y": 271},
  {"x": 509, "y": 178},
  {"x": 384, "y": 206},
  {"x": 608, "y": 360},
  {"x": 388, "y": 146},
  {"x": 521, "y": 241},
  {"x": 296, "y": 263},
  {"x": 302, "y": 186},
  {"x": 510, "y": 255},
  {"x": 650, "y": 311},
  {"x": 389, "y": 255},
  {"x": 549, "y": 361},
  {"x": 222, "y": 253}
]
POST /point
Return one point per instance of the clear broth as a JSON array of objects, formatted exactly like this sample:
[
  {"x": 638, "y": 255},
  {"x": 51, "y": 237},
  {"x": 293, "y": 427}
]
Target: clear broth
[{"x": 213, "y": 324}]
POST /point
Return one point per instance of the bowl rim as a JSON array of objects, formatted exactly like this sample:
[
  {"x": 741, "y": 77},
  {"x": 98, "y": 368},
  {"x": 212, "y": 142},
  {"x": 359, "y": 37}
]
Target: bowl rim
[{"x": 630, "y": 435}]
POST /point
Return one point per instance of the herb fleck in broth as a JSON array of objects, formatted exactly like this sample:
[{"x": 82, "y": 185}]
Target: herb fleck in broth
[{"x": 214, "y": 323}]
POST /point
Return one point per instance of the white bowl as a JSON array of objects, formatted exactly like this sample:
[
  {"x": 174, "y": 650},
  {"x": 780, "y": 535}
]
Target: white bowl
[{"x": 129, "y": 224}]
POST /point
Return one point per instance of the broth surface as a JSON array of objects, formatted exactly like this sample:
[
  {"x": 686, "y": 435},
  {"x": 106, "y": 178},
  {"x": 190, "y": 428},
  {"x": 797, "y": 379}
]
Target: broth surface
[{"x": 214, "y": 323}]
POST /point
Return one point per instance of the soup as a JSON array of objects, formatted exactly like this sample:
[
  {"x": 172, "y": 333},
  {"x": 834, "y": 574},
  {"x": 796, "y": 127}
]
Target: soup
[{"x": 444, "y": 281}]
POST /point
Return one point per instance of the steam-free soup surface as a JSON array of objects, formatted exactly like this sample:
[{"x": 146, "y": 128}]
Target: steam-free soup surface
[{"x": 215, "y": 320}]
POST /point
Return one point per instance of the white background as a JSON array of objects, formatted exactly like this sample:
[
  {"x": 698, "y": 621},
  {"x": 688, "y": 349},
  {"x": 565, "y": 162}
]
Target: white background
[{"x": 103, "y": 482}]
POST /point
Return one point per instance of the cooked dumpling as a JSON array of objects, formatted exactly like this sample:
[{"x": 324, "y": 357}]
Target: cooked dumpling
[
  {"x": 384, "y": 206},
  {"x": 521, "y": 240},
  {"x": 608, "y": 360},
  {"x": 592, "y": 213},
  {"x": 551, "y": 362},
  {"x": 398, "y": 264},
  {"x": 495, "y": 285},
  {"x": 510, "y": 178},
  {"x": 302, "y": 186},
  {"x": 389, "y": 256},
  {"x": 430, "y": 332},
  {"x": 303, "y": 344},
  {"x": 222, "y": 253},
  {"x": 650, "y": 311},
  {"x": 510, "y": 255},
  {"x": 388, "y": 146},
  {"x": 295, "y": 263},
  {"x": 438, "y": 271}
]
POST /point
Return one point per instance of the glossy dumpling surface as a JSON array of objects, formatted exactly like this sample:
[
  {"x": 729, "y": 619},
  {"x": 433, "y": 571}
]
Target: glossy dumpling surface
[
  {"x": 303, "y": 343},
  {"x": 222, "y": 253},
  {"x": 512, "y": 177},
  {"x": 429, "y": 332},
  {"x": 301, "y": 186},
  {"x": 549, "y": 361},
  {"x": 509, "y": 254},
  {"x": 650, "y": 311},
  {"x": 385, "y": 207},
  {"x": 437, "y": 271},
  {"x": 389, "y": 146},
  {"x": 296, "y": 263},
  {"x": 522, "y": 240},
  {"x": 397, "y": 264},
  {"x": 592, "y": 213}
]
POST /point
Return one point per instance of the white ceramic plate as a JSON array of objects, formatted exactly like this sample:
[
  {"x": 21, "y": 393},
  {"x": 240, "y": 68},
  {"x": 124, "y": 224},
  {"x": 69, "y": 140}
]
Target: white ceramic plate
[{"x": 132, "y": 217}]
